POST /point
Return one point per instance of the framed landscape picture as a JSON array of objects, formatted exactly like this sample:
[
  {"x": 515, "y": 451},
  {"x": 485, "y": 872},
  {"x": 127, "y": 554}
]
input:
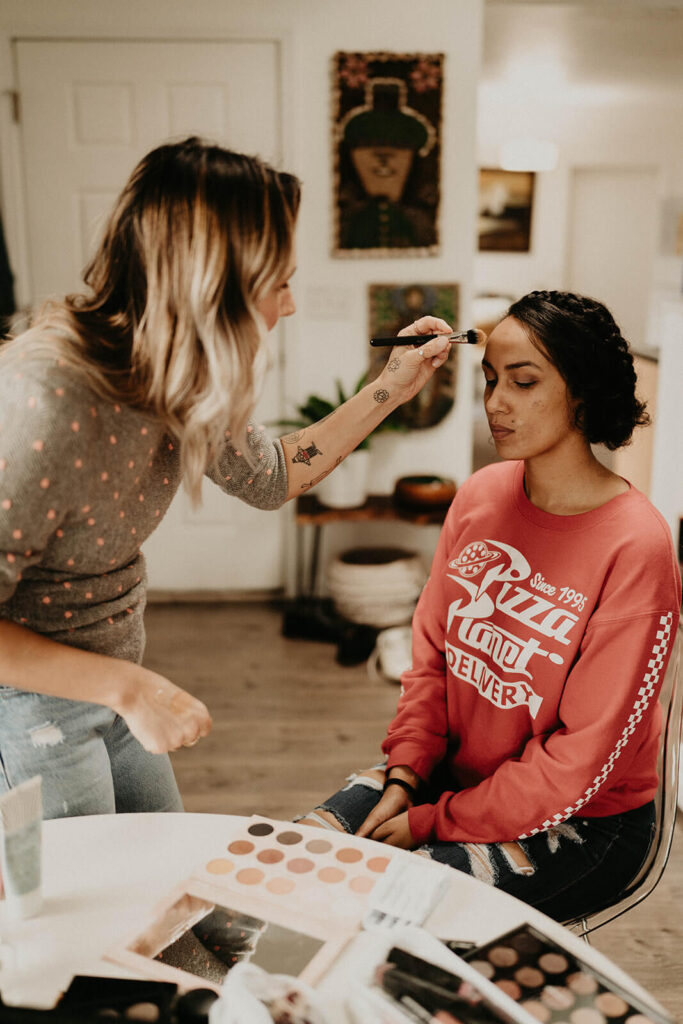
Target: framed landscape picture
[{"x": 504, "y": 210}]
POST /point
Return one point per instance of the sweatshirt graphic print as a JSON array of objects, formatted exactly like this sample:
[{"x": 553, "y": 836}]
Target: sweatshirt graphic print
[{"x": 539, "y": 646}]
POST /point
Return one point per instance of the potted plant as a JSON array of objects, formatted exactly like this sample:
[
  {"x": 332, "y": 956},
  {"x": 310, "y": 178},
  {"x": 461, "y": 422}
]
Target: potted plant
[{"x": 347, "y": 485}]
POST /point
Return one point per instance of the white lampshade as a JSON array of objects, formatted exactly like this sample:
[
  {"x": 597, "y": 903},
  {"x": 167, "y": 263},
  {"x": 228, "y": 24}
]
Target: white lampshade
[{"x": 528, "y": 155}]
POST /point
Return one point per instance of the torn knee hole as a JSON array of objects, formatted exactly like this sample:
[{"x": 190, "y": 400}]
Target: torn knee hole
[{"x": 326, "y": 816}]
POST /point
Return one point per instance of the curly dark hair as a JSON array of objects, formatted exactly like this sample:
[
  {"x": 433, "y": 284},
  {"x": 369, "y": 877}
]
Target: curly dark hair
[{"x": 581, "y": 339}]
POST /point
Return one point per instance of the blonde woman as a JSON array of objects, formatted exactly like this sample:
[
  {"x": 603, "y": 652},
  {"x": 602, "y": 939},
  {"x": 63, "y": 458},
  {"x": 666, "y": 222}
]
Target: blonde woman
[{"x": 109, "y": 402}]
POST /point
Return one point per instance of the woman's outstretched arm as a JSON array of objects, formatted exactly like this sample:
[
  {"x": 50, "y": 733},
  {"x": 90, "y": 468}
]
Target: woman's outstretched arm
[{"x": 330, "y": 440}]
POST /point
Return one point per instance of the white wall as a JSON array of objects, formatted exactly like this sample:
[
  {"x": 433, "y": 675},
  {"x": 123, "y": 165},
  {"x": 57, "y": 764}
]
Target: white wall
[
  {"x": 319, "y": 345},
  {"x": 589, "y": 134}
]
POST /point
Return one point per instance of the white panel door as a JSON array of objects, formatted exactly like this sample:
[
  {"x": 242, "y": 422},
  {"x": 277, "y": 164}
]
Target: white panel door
[
  {"x": 613, "y": 227},
  {"x": 90, "y": 110}
]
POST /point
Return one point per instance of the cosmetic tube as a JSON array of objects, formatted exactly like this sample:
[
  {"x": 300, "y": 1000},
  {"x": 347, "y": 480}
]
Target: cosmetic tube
[{"x": 21, "y": 819}]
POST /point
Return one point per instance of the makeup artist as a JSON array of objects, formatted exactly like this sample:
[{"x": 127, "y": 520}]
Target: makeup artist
[
  {"x": 107, "y": 403},
  {"x": 524, "y": 747}
]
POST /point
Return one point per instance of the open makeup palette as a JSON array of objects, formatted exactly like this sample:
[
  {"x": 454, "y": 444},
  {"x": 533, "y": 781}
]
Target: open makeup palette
[{"x": 287, "y": 898}]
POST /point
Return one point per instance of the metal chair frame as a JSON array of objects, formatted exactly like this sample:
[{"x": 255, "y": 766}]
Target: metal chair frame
[{"x": 671, "y": 701}]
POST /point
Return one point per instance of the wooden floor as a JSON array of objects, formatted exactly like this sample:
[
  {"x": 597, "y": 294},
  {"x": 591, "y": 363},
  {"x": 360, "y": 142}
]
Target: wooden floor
[{"x": 290, "y": 723}]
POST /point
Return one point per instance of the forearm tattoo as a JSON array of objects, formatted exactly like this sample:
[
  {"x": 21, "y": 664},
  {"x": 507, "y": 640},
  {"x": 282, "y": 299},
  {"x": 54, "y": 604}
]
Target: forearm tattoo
[
  {"x": 317, "y": 479},
  {"x": 381, "y": 395},
  {"x": 306, "y": 454},
  {"x": 293, "y": 438}
]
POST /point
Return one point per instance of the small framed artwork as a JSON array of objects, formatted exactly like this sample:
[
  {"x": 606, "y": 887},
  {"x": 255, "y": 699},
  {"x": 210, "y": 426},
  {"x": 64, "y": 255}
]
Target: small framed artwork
[
  {"x": 394, "y": 306},
  {"x": 504, "y": 210},
  {"x": 386, "y": 132},
  {"x": 671, "y": 235},
  {"x": 199, "y": 933}
]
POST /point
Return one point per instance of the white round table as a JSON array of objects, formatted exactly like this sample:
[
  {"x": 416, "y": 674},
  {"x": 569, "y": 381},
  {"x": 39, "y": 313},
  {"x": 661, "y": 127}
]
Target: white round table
[{"x": 104, "y": 874}]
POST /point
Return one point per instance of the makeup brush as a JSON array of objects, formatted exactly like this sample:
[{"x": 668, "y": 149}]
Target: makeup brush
[{"x": 471, "y": 337}]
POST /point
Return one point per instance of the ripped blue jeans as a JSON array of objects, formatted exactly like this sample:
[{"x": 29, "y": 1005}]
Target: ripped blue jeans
[
  {"x": 570, "y": 870},
  {"x": 89, "y": 761}
]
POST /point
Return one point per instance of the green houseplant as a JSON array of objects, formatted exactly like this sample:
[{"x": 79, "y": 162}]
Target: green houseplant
[
  {"x": 316, "y": 408},
  {"x": 346, "y": 487}
]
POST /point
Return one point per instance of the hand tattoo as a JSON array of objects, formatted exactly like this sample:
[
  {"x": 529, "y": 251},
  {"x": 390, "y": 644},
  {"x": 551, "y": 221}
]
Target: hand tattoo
[{"x": 393, "y": 364}]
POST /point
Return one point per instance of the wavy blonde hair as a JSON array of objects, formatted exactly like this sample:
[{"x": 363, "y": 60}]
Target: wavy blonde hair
[{"x": 196, "y": 239}]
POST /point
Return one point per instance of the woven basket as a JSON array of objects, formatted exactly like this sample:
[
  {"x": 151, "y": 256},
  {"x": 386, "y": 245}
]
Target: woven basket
[{"x": 376, "y": 586}]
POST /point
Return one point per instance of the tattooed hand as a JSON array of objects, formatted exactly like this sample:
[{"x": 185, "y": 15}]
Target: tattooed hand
[{"x": 408, "y": 369}]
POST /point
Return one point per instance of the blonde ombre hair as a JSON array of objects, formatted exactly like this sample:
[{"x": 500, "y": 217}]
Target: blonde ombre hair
[{"x": 196, "y": 239}]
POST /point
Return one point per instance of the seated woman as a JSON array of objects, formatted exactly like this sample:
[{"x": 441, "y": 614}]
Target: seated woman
[{"x": 524, "y": 746}]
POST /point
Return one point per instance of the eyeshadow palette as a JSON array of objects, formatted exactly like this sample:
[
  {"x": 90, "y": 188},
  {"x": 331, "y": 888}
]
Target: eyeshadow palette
[
  {"x": 554, "y": 986},
  {"x": 315, "y": 870}
]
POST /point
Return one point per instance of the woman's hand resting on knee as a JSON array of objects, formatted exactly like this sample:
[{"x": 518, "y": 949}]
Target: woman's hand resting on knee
[
  {"x": 160, "y": 715},
  {"x": 388, "y": 821}
]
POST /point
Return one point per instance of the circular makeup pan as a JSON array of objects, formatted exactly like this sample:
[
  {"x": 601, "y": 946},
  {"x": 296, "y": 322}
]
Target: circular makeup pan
[
  {"x": 378, "y": 864},
  {"x": 300, "y": 865},
  {"x": 361, "y": 884},
  {"x": 557, "y": 998},
  {"x": 219, "y": 866},
  {"x": 611, "y": 1004},
  {"x": 318, "y": 846},
  {"x": 483, "y": 967},
  {"x": 240, "y": 847},
  {"x": 526, "y": 943},
  {"x": 503, "y": 956},
  {"x": 537, "y": 1010},
  {"x": 289, "y": 838},
  {"x": 260, "y": 828},
  {"x": 582, "y": 984},
  {"x": 250, "y": 876},
  {"x": 143, "y": 1012},
  {"x": 331, "y": 875},
  {"x": 348, "y": 855},
  {"x": 553, "y": 963},
  {"x": 510, "y": 988},
  {"x": 269, "y": 856},
  {"x": 530, "y": 977},
  {"x": 586, "y": 1015},
  {"x": 280, "y": 886}
]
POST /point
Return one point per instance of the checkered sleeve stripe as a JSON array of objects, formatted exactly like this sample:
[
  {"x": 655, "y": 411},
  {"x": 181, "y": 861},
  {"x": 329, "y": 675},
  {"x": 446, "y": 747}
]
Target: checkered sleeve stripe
[{"x": 645, "y": 695}]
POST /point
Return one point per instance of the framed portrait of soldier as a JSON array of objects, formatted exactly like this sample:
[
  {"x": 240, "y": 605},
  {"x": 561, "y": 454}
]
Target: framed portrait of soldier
[{"x": 386, "y": 133}]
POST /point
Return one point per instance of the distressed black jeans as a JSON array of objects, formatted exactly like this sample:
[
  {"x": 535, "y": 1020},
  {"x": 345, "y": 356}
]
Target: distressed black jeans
[{"x": 567, "y": 871}]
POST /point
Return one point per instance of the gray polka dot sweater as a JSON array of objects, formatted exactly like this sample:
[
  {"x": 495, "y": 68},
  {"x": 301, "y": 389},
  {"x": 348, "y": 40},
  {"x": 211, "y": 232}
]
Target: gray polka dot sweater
[{"x": 83, "y": 483}]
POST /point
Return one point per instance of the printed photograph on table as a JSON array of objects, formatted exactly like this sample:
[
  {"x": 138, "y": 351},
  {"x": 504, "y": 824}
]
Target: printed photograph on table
[
  {"x": 386, "y": 126},
  {"x": 394, "y": 306},
  {"x": 505, "y": 207},
  {"x": 198, "y": 934},
  {"x": 554, "y": 986}
]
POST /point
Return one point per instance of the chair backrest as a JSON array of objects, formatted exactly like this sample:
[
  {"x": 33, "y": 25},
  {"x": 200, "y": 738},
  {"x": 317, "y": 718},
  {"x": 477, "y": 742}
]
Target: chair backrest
[{"x": 671, "y": 701}]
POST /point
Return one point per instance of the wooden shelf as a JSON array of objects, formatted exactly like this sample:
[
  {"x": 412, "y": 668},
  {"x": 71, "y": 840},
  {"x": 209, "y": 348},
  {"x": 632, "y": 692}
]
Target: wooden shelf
[{"x": 311, "y": 512}]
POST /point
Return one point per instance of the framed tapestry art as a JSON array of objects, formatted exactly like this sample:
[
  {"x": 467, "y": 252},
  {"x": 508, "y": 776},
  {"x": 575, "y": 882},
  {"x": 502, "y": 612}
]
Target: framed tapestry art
[
  {"x": 386, "y": 138},
  {"x": 394, "y": 306}
]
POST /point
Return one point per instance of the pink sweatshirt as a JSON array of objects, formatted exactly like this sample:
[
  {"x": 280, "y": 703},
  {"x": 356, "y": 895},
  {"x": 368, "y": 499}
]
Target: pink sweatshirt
[{"x": 539, "y": 645}]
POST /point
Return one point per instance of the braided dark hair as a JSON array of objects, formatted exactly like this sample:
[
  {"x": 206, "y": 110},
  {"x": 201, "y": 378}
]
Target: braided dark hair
[{"x": 583, "y": 342}]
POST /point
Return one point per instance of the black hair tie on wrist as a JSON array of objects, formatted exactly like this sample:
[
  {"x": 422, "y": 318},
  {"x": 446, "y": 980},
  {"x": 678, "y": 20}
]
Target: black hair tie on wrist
[{"x": 410, "y": 790}]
